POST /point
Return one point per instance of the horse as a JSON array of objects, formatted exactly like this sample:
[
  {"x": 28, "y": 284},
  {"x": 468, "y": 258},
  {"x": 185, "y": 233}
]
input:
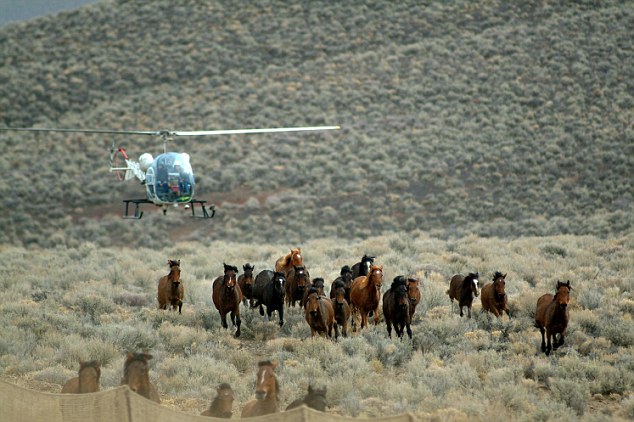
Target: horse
[
  {"x": 171, "y": 291},
  {"x": 463, "y": 289},
  {"x": 87, "y": 380},
  {"x": 285, "y": 263},
  {"x": 269, "y": 290},
  {"x": 551, "y": 316},
  {"x": 226, "y": 296},
  {"x": 222, "y": 405},
  {"x": 362, "y": 268},
  {"x": 493, "y": 296},
  {"x": 245, "y": 281},
  {"x": 365, "y": 295},
  {"x": 297, "y": 282},
  {"x": 319, "y": 313},
  {"x": 267, "y": 390},
  {"x": 317, "y": 283},
  {"x": 413, "y": 293},
  {"x": 396, "y": 308},
  {"x": 315, "y": 399},
  {"x": 136, "y": 375},
  {"x": 342, "y": 309},
  {"x": 345, "y": 276}
]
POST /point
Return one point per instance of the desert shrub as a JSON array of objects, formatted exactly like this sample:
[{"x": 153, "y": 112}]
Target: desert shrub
[{"x": 574, "y": 394}]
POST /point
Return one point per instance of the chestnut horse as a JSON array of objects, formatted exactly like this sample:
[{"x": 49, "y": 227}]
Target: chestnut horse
[
  {"x": 413, "y": 293},
  {"x": 245, "y": 281},
  {"x": 493, "y": 295},
  {"x": 87, "y": 380},
  {"x": 222, "y": 404},
  {"x": 315, "y": 399},
  {"x": 342, "y": 309},
  {"x": 463, "y": 289},
  {"x": 365, "y": 295},
  {"x": 136, "y": 375},
  {"x": 345, "y": 276},
  {"x": 396, "y": 308},
  {"x": 319, "y": 313},
  {"x": 226, "y": 296},
  {"x": 285, "y": 263},
  {"x": 297, "y": 283},
  {"x": 267, "y": 390},
  {"x": 171, "y": 291},
  {"x": 551, "y": 316}
]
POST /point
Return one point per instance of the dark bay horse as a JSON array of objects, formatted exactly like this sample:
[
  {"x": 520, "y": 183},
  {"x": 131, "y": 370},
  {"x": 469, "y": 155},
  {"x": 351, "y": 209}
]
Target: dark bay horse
[
  {"x": 463, "y": 289},
  {"x": 226, "y": 296},
  {"x": 345, "y": 276},
  {"x": 245, "y": 281},
  {"x": 297, "y": 283},
  {"x": 319, "y": 284},
  {"x": 136, "y": 375},
  {"x": 365, "y": 295},
  {"x": 285, "y": 263},
  {"x": 551, "y": 316},
  {"x": 363, "y": 267},
  {"x": 396, "y": 308},
  {"x": 319, "y": 313},
  {"x": 342, "y": 309},
  {"x": 267, "y": 391},
  {"x": 222, "y": 404},
  {"x": 493, "y": 295},
  {"x": 87, "y": 380},
  {"x": 315, "y": 399},
  {"x": 171, "y": 291},
  {"x": 269, "y": 290}
]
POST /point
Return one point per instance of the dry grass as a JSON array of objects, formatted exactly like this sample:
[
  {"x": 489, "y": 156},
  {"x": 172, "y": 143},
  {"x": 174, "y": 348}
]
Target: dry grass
[{"x": 59, "y": 306}]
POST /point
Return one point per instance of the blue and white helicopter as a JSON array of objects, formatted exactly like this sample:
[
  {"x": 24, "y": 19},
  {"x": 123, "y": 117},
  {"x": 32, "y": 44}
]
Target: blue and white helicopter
[{"x": 169, "y": 177}]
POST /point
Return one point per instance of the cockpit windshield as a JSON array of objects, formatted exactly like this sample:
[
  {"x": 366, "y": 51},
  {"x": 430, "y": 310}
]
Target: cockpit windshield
[{"x": 170, "y": 179}]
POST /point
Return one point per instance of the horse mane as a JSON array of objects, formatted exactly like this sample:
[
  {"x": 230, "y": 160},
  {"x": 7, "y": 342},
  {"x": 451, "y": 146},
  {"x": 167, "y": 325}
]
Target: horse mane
[
  {"x": 338, "y": 284},
  {"x": 345, "y": 269},
  {"x": 467, "y": 280},
  {"x": 497, "y": 275},
  {"x": 368, "y": 258},
  {"x": 91, "y": 364},
  {"x": 248, "y": 266},
  {"x": 174, "y": 262},
  {"x": 230, "y": 267},
  {"x": 313, "y": 289},
  {"x": 399, "y": 280},
  {"x": 134, "y": 357}
]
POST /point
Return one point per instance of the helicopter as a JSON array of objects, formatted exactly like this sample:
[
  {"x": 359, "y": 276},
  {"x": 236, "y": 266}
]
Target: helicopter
[{"x": 168, "y": 178}]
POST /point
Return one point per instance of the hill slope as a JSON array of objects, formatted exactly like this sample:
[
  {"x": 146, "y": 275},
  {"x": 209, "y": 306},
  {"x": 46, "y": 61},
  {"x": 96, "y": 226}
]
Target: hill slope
[{"x": 463, "y": 118}]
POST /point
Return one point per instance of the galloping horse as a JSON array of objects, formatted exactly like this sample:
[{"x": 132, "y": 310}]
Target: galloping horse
[
  {"x": 319, "y": 284},
  {"x": 297, "y": 283},
  {"x": 551, "y": 316},
  {"x": 366, "y": 294},
  {"x": 170, "y": 288},
  {"x": 87, "y": 380},
  {"x": 345, "y": 276},
  {"x": 463, "y": 289},
  {"x": 285, "y": 263},
  {"x": 269, "y": 290},
  {"x": 320, "y": 315},
  {"x": 315, "y": 399},
  {"x": 245, "y": 281},
  {"x": 493, "y": 295},
  {"x": 222, "y": 404},
  {"x": 226, "y": 296},
  {"x": 362, "y": 268},
  {"x": 413, "y": 293},
  {"x": 136, "y": 374},
  {"x": 396, "y": 308},
  {"x": 342, "y": 309},
  {"x": 267, "y": 390}
]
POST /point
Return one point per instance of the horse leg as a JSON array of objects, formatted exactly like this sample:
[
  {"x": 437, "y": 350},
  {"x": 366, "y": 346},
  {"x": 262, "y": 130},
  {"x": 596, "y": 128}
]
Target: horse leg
[
  {"x": 409, "y": 330},
  {"x": 238, "y": 321},
  {"x": 469, "y": 310},
  {"x": 548, "y": 342},
  {"x": 336, "y": 326},
  {"x": 542, "y": 331},
  {"x": 281, "y": 312},
  {"x": 376, "y": 316},
  {"x": 461, "y": 314},
  {"x": 389, "y": 328},
  {"x": 180, "y": 306},
  {"x": 223, "y": 319}
]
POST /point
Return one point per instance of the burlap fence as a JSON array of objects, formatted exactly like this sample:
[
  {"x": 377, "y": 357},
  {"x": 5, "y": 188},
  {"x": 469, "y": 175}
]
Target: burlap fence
[{"x": 120, "y": 404}]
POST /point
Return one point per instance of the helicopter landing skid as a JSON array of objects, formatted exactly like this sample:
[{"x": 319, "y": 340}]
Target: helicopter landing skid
[{"x": 138, "y": 214}]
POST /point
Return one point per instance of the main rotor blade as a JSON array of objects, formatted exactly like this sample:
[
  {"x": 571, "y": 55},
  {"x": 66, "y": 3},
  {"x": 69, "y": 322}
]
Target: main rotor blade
[
  {"x": 108, "y": 131},
  {"x": 246, "y": 131}
]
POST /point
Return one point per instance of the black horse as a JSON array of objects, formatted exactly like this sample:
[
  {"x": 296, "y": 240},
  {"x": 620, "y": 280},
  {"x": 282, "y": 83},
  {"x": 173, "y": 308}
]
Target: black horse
[
  {"x": 269, "y": 290},
  {"x": 361, "y": 268}
]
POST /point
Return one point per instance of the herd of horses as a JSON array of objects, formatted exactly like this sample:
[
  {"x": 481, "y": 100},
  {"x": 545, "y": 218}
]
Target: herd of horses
[{"x": 354, "y": 295}]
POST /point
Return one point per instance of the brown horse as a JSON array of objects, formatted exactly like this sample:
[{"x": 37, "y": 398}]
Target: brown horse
[
  {"x": 136, "y": 375},
  {"x": 493, "y": 295},
  {"x": 222, "y": 404},
  {"x": 342, "y": 309},
  {"x": 245, "y": 281},
  {"x": 396, "y": 308},
  {"x": 345, "y": 276},
  {"x": 413, "y": 293},
  {"x": 551, "y": 316},
  {"x": 285, "y": 263},
  {"x": 226, "y": 296},
  {"x": 365, "y": 295},
  {"x": 297, "y": 283},
  {"x": 463, "y": 289},
  {"x": 171, "y": 291},
  {"x": 315, "y": 399},
  {"x": 317, "y": 283},
  {"x": 87, "y": 380},
  {"x": 267, "y": 390},
  {"x": 319, "y": 313}
]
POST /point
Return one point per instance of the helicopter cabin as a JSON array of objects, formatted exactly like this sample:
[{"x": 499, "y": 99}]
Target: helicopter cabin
[{"x": 170, "y": 179}]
